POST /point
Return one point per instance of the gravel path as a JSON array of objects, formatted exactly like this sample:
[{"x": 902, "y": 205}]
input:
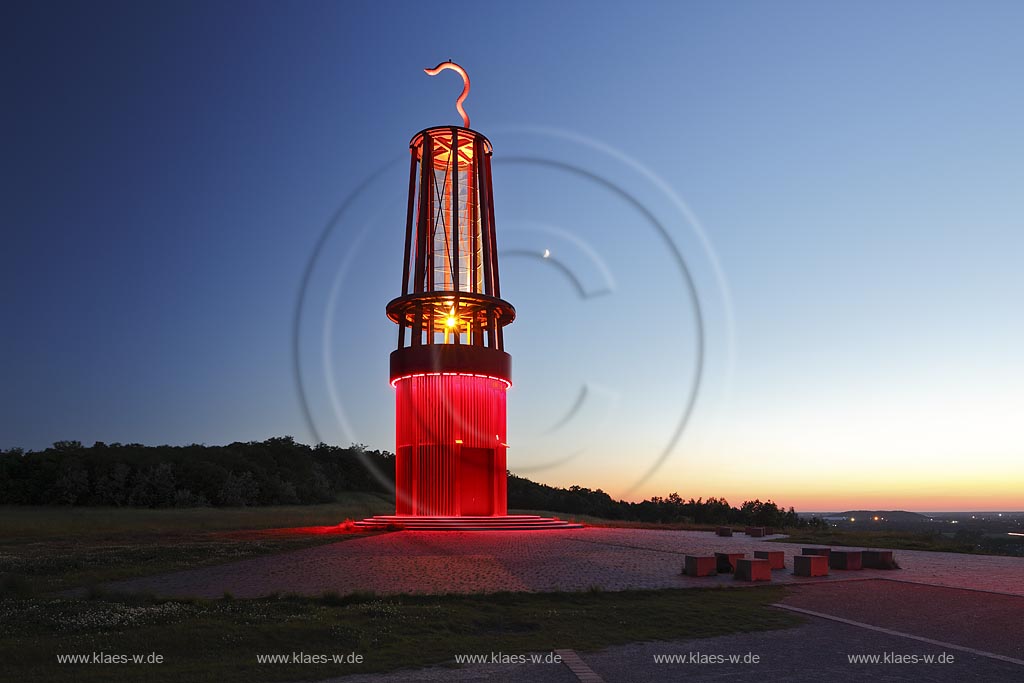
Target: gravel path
[
  {"x": 984, "y": 621},
  {"x": 814, "y": 652}
]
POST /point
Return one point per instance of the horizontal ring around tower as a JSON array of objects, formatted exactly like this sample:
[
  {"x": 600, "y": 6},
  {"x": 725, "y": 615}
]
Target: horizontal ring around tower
[
  {"x": 465, "y": 306},
  {"x": 457, "y": 359}
]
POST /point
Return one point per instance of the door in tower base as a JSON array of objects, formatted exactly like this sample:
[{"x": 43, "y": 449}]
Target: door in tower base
[
  {"x": 403, "y": 481},
  {"x": 476, "y": 481}
]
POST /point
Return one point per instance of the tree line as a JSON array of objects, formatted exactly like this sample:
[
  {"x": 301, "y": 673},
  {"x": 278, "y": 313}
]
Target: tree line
[
  {"x": 528, "y": 495},
  {"x": 282, "y": 471},
  {"x": 278, "y": 471}
]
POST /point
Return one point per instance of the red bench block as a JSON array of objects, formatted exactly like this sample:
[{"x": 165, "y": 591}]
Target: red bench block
[
  {"x": 810, "y": 565},
  {"x": 726, "y": 562},
  {"x": 753, "y": 570},
  {"x": 845, "y": 559},
  {"x": 700, "y": 565},
  {"x": 776, "y": 558},
  {"x": 724, "y": 531},
  {"x": 755, "y": 531}
]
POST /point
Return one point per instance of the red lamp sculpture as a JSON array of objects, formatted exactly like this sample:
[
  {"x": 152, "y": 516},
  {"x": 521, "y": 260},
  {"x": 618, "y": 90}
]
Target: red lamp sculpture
[{"x": 450, "y": 370}]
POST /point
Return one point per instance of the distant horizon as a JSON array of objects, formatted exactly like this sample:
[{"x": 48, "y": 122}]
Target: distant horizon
[
  {"x": 736, "y": 502},
  {"x": 919, "y": 512}
]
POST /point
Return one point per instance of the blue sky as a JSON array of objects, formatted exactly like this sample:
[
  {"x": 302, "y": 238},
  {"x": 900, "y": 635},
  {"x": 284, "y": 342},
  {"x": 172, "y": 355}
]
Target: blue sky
[{"x": 856, "y": 170}]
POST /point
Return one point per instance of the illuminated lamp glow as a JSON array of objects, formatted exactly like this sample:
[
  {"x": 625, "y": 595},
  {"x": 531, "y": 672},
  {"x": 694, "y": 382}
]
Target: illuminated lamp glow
[
  {"x": 508, "y": 385},
  {"x": 458, "y": 440}
]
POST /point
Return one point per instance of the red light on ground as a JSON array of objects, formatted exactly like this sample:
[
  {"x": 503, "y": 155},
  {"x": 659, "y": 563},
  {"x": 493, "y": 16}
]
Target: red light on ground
[{"x": 346, "y": 527}]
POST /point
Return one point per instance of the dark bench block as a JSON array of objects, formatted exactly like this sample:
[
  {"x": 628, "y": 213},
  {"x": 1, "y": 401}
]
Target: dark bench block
[
  {"x": 845, "y": 559},
  {"x": 810, "y": 565},
  {"x": 700, "y": 565},
  {"x": 726, "y": 562},
  {"x": 753, "y": 570},
  {"x": 878, "y": 559}
]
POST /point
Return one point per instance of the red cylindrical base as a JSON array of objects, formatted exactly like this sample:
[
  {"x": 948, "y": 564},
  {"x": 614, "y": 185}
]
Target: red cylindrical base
[{"x": 450, "y": 456}]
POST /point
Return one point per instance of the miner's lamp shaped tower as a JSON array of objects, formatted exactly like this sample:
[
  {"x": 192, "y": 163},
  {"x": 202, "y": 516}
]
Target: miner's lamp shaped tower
[{"x": 450, "y": 370}]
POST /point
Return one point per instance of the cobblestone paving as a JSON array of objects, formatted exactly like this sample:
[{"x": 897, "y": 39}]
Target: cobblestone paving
[{"x": 612, "y": 559}]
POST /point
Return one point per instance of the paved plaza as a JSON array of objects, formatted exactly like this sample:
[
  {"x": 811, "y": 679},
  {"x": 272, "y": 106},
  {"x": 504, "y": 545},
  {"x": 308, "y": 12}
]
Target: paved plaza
[{"x": 571, "y": 560}]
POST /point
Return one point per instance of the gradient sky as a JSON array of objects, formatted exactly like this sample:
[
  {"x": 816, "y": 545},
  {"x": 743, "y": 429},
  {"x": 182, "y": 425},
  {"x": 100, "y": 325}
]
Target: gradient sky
[{"x": 856, "y": 172}]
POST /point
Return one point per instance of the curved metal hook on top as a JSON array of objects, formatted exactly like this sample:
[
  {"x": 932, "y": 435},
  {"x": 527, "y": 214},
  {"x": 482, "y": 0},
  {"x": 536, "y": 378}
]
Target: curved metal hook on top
[{"x": 465, "y": 85}]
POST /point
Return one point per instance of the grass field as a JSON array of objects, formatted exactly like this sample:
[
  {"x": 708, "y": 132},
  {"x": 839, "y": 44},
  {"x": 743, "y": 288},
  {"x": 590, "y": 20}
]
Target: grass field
[
  {"x": 899, "y": 540},
  {"x": 45, "y": 549},
  {"x": 35, "y": 522},
  {"x": 219, "y": 640},
  {"x": 616, "y": 523}
]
